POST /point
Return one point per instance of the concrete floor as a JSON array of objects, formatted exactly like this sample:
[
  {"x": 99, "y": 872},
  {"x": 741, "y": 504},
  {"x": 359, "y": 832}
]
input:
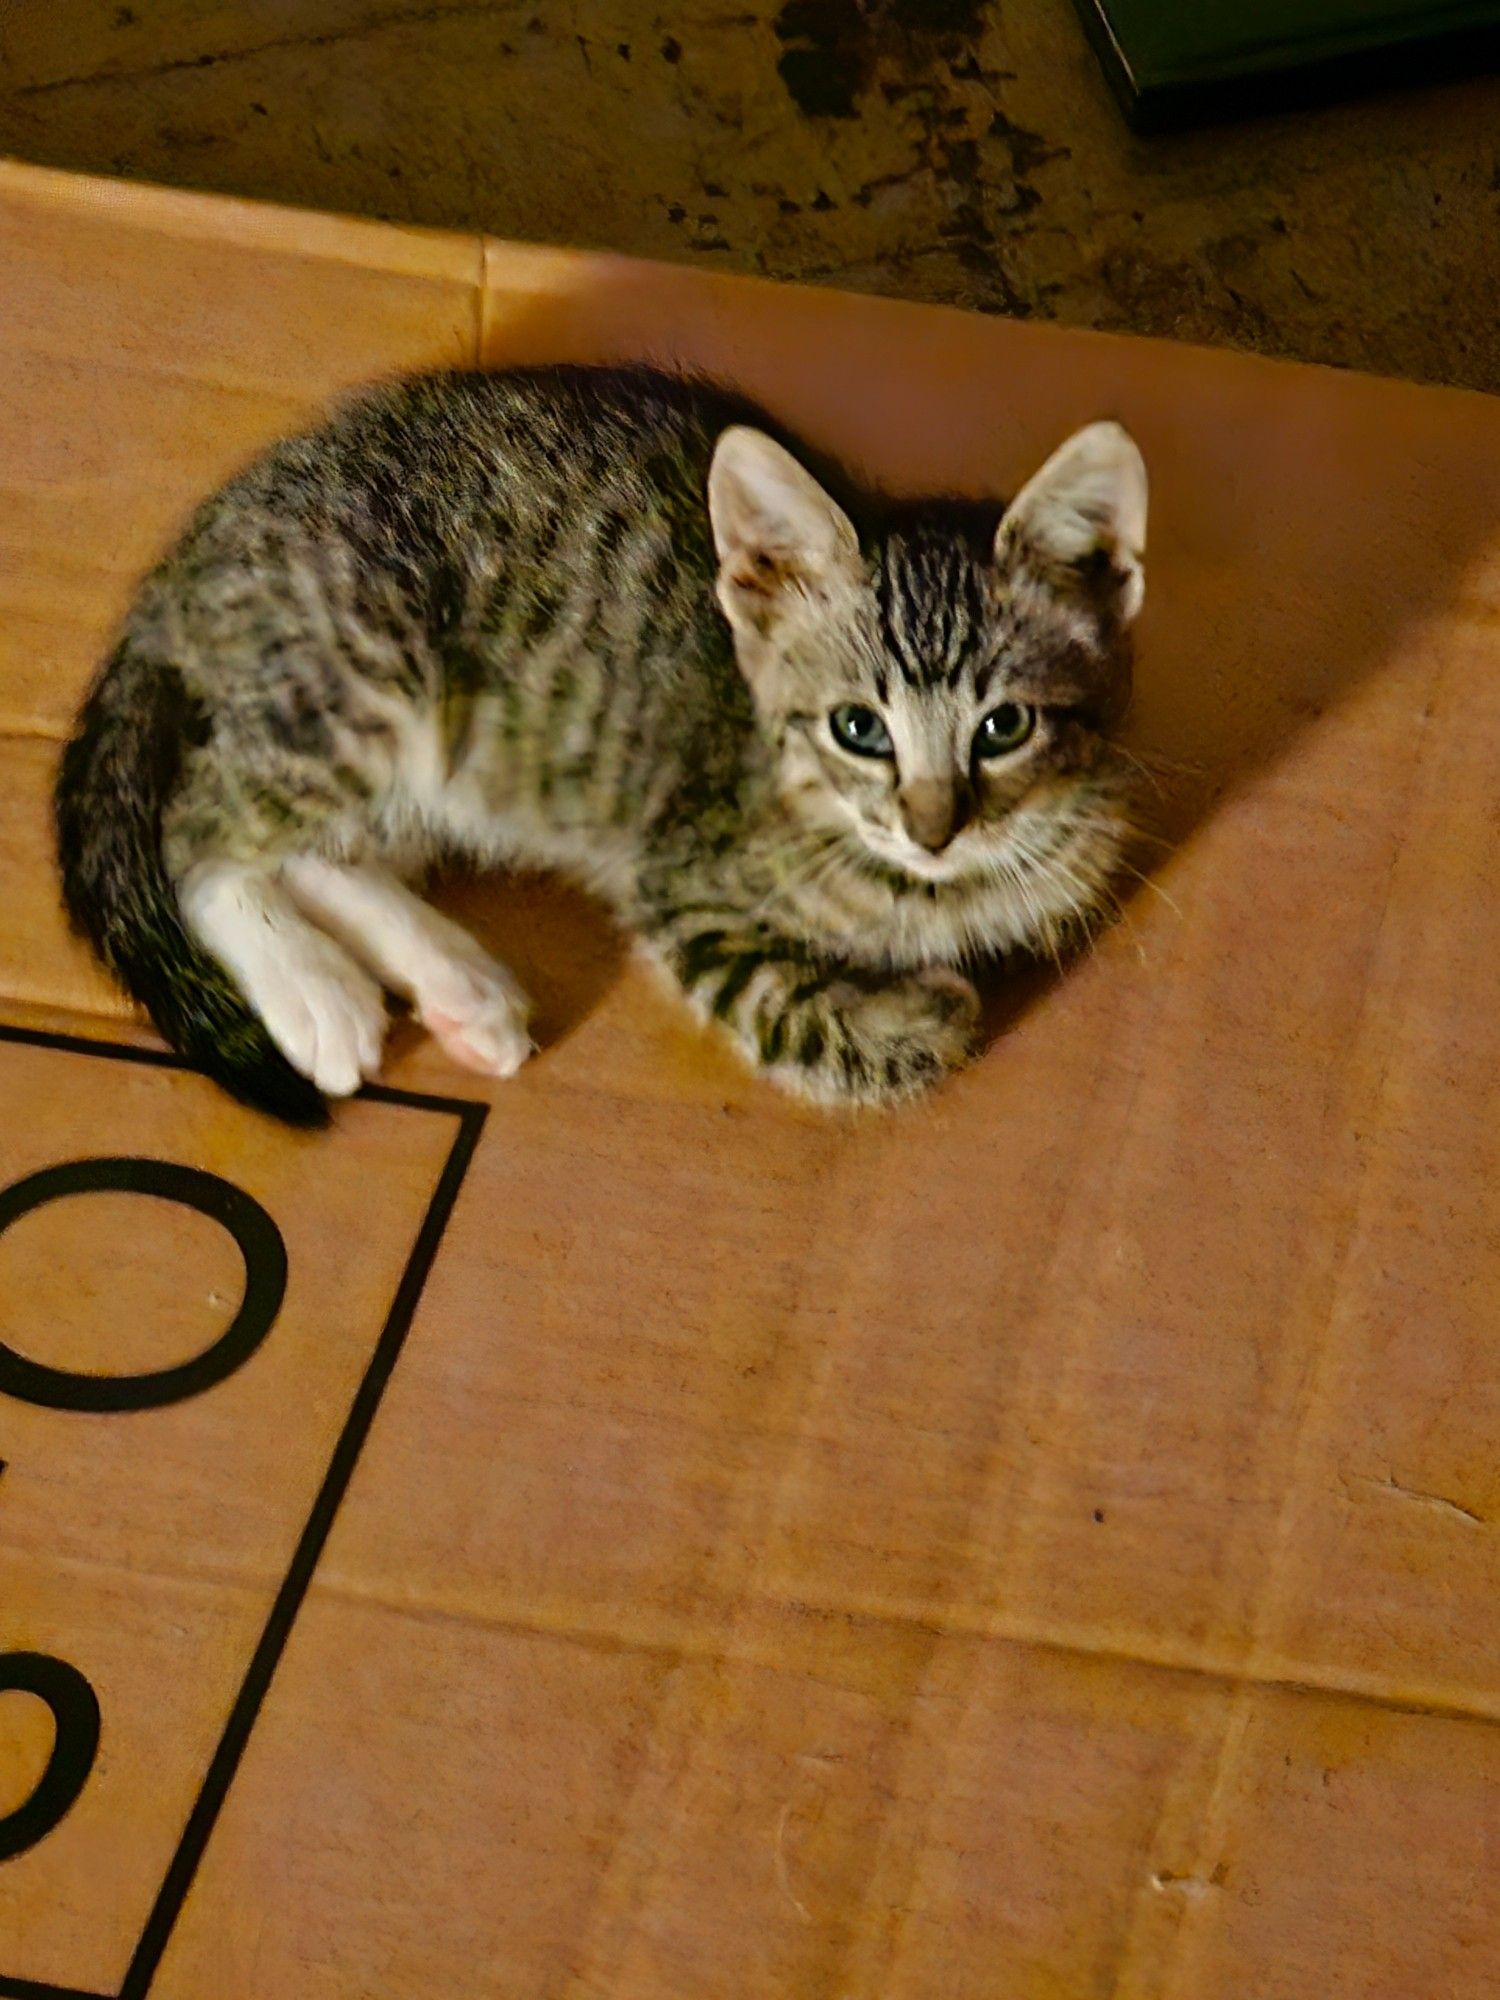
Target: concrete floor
[{"x": 938, "y": 149}]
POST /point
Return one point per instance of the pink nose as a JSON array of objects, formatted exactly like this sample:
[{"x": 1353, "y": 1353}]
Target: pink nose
[{"x": 932, "y": 812}]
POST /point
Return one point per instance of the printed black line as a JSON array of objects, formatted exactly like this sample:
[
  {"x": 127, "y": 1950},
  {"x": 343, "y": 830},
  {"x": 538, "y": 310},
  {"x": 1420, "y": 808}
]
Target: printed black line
[
  {"x": 470, "y": 1115},
  {"x": 38, "y": 1989},
  {"x": 86, "y": 1045},
  {"x": 289, "y": 1598}
]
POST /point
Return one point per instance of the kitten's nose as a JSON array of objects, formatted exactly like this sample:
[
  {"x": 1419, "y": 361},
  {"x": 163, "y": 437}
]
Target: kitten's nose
[{"x": 932, "y": 811}]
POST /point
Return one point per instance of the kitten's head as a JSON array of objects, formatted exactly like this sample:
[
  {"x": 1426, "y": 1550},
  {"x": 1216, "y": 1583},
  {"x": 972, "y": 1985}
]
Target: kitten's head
[{"x": 941, "y": 690}]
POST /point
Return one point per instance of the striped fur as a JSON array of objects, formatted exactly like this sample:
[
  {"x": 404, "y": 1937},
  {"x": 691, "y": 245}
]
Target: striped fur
[{"x": 486, "y": 615}]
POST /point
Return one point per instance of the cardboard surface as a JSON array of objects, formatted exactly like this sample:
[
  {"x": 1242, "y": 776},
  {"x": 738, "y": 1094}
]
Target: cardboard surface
[{"x": 1042, "y": 1544}]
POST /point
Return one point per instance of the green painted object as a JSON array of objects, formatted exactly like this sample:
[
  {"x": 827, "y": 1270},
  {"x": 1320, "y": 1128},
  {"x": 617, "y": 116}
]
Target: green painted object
[{"x": 1185, "y": 62}]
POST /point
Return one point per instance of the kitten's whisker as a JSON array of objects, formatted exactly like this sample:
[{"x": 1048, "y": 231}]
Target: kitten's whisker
[
  {"x": 1040, "y": 922},
  {"x": 1127, "y": 923},
  {"x": 1129, "y": 834},
  {"x": 1155, "y": 764},
  {"x": 1155, "y": 887},
  {"x": 1152, "y": 778}
]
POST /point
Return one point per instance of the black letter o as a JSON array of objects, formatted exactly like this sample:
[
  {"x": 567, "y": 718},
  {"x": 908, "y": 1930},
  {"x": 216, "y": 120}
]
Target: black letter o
[
  {"x": 260, "y": 1245},
  {"x": 75, "y": 1718}
]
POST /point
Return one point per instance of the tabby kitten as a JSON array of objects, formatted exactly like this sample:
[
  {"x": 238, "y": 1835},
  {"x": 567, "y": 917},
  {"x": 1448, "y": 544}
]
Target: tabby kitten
[{"x": 818, "y": 752}]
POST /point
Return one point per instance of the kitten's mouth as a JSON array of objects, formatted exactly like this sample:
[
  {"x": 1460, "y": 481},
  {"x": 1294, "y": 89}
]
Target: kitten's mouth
[{"x": 919, "y": 862}]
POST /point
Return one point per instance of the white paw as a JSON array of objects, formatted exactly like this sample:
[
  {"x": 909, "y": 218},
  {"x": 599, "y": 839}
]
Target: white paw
[
  {"x": 480, "y": 1018},
  {"x": 326, "y": 1016}
]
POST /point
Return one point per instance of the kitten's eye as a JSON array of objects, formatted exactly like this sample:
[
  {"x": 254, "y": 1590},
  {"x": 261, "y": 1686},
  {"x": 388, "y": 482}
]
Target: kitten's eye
[
  {"x": 1004, "y": 729},
  {"x": 861, "y": 730}
]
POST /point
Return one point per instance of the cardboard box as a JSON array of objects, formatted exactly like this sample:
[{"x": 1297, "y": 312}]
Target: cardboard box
[{"x": 622, "y": 1537}]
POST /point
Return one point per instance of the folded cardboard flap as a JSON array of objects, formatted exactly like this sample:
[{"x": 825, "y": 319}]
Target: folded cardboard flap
[{"x": 674, "y": 1544}]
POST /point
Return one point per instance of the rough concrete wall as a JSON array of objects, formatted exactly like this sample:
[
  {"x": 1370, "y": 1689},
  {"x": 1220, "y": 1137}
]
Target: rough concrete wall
[{"x": 939, "y": 149}]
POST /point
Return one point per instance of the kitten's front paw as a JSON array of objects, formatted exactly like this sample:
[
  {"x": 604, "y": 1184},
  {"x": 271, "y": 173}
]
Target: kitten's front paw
[
  {"x": 326, "y": 1016},
  {"x": 885, "y": 1043},
  {"x": 481, "y": 1021}
]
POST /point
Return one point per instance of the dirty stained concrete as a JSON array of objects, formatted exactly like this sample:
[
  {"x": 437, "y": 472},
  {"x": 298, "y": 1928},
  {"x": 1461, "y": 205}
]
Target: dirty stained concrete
[{"x": 958, "y": 150}]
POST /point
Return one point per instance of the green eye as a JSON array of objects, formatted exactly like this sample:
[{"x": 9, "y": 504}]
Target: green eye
[
  {"x": 1004, "y": 729},
  {"x": 860, "y": 730}
]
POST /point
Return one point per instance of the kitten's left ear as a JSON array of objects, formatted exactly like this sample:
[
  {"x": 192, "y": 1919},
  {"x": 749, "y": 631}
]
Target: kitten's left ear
[
  {"x": 1084, "y": 513},
  {"x": 776, "y": 530}
]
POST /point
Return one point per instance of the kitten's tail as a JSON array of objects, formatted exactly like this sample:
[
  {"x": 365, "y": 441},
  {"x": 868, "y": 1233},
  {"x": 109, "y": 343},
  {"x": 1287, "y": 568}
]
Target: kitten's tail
[{"x": 117, "y": 775}]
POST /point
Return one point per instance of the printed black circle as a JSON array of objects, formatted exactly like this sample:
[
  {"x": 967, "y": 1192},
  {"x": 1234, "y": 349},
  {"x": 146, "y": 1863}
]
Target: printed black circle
[
  {"x": 75, "y": 1719},
  {"x": 259, "y": 1242}
]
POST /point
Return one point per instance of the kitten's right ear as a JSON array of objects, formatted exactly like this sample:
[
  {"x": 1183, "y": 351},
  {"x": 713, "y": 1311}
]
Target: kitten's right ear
[
  {"x": 776, "y": 530},
  {"x": 1085, "y": 508}
]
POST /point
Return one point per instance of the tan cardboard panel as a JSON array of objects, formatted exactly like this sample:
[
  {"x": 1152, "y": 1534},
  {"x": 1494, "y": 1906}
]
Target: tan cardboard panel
[
  {"x": 1391, "y": 1541},
  {"x": 1346, "y": 1852},
  {"x": 468, "y": 1783},
  {"x": 184, "y": 1333},
  {"x": 332, "y": 299},
  {"x": 998, "y": 1548},
  {"x": 827, "y": 1823}
]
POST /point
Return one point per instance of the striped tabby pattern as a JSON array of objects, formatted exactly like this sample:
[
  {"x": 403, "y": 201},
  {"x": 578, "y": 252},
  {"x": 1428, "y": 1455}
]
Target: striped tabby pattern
[{"x": 818, "y": 750}]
